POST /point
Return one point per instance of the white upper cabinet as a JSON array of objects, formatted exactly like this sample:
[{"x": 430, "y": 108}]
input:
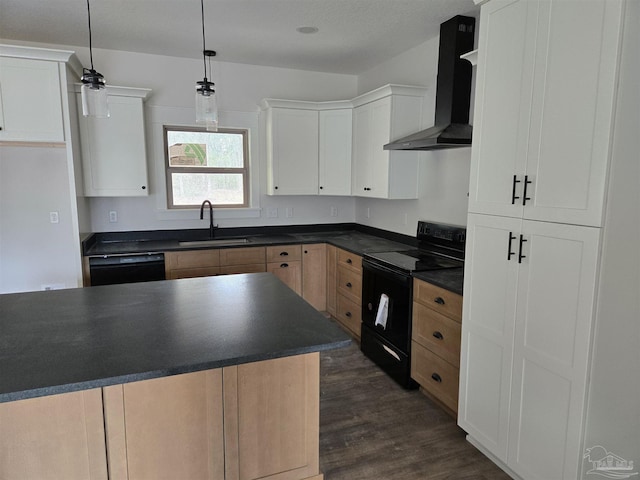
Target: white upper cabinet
[
  {"x": 114, "y": 158},
  {"x": 544, "y": 107},
  {"x": 334, "y": 162},
  {"x": 30, "y": 101},
  {"x": 308, "y": 147},
  {"x": 379, "y": 117}
]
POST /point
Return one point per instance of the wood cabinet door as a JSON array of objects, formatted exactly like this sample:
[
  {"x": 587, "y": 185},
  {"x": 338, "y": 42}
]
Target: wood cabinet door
[
  {"x": 166, "y": 428},
  {"x": 58, "y": 437},
  {"x": 334, "y": 162},
  {"x": 488, "y": 317},
  {"x": 289, "y": 272},
  {"x": 271, "y": 419},
  {"x": 293, "y": 162},
  {"x": 332, "y": 272},
  {"x": 314, "y": 275},
  {"x": 242, "y": 256},
  {"x": 25, "y": 117}
]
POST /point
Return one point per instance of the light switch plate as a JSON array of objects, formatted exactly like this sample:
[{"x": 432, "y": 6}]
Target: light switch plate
[
  {"x": 54, "y": 217},
  {"x": 272, "y": 212}
]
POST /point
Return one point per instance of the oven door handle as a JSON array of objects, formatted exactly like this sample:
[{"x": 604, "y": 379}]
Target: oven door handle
[
  {"x": 402, "y": 278},
  {"x": 391, "y": 352}
]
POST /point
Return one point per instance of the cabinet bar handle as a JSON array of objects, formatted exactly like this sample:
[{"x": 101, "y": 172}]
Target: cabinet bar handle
[
  {"x": 520, "y": 255},
  {"x": 438, "y": 335},
  {"x": 512, "y": 237},
  {"x": 513, "y": 191},
  {"x": 284, "y": 265},
  {"x": 524, "y": 193},
  {"x": 439, "y": 300},
  {"x": 436, "y": 377}
]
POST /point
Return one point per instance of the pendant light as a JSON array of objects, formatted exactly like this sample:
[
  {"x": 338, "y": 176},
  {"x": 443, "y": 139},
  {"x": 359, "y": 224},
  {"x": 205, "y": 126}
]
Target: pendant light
[
  {"x": 206, "y": 103},
  {"x": 94, "y": 91}
]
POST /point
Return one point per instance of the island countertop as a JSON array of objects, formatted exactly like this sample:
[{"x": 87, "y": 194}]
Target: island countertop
[{"x": 66, "y": 340}]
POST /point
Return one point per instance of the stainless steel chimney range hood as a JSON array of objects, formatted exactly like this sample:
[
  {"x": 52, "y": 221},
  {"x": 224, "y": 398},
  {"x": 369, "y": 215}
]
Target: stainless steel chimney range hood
[{"x": 453, "y": 92}]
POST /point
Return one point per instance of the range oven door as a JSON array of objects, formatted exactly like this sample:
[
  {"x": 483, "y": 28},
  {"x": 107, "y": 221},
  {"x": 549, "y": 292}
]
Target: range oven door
[
  {"x": 395, "y": 363},
  {"x": 398, "y": 287}
]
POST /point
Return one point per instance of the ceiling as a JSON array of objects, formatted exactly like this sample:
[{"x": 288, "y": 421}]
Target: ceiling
[{"x": 353, "y": 35}]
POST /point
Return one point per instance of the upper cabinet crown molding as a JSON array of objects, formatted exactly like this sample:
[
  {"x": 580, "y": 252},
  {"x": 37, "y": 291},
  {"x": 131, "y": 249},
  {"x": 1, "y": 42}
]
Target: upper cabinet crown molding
[
  {"x": 388, "y": 90},
  {"x": 304, "y": 105},
  {"x": 47, "y": 54}
]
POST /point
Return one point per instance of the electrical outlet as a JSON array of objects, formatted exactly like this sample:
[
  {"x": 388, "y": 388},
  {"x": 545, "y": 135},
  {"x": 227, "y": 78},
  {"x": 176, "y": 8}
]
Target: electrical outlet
[
  {"x": 54, "y": 217},
  {"x": 334, "y": 211},
  {"x": 272, "y": 212},
  {"x": 52, "y": 286},
  {"x": 113, "y": 216},
  {"x": 289, "y": 212}
]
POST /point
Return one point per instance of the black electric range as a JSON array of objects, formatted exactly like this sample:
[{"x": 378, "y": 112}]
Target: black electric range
[{"x": 387, "y": 294}]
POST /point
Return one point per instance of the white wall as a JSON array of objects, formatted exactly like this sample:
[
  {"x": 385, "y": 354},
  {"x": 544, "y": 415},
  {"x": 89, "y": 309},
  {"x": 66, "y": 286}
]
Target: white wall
[
  {"x": 240, "y": 89},
  {"x": 444, "y": 174},
  {"x": 34, "y": 252}
]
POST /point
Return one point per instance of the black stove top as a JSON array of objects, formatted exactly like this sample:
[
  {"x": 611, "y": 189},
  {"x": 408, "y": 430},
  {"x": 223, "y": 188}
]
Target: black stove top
[{"x": 441, "y": 246}]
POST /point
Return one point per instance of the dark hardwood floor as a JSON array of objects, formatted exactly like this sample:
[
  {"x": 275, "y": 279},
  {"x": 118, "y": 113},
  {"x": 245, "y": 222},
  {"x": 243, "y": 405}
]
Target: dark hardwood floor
[{"x": 372, "y": 429}]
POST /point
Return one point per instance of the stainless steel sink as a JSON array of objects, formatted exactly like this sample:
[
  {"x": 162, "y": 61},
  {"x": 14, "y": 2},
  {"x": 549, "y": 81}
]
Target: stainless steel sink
[{"x": 215, "y": 242}]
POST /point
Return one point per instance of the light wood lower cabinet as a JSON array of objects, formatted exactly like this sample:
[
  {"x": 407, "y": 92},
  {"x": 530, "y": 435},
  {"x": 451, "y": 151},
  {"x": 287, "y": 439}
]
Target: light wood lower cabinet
[
  {"x": 59, "y": 437},
  {"x": 242, "y": 260},
  {"x": 348, "y": 286},
  {"x": 314, "y": 275},
  {"x": 284, "y": 261},
  {"x": 332, "y": 271},
  {"x": 253, "y": 421},
  {"x": 214, "y": 261},
  {"x": 435, "y": 345}
]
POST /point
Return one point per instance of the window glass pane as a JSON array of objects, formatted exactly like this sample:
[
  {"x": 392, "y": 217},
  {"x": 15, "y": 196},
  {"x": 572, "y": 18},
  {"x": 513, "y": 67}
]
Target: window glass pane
[
  {"x": 205, "y": 149},
  {"x": 219, "y": 188}
]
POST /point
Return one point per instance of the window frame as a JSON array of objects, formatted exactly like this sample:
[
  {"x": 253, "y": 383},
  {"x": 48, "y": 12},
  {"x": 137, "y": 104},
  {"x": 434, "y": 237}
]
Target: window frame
[{"x": 207, "y": 170}]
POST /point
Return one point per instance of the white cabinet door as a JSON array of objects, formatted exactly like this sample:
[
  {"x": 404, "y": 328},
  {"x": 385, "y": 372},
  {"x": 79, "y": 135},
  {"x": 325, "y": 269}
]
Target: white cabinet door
[
  {"x": 30, "y": 101},
  {"x": 334, "y": 162},
  {"x": 526, "y": 329},
  {"x": 489, "y": 307},
  {"x": 544, "y": 103},
  {"x": 293, "y": 153},
  {"x": 506, "y": 50},
  {"x": 114, "y": 156},
  {"x": 555, "y": 302},
  {"x": 361, "y": 172}
]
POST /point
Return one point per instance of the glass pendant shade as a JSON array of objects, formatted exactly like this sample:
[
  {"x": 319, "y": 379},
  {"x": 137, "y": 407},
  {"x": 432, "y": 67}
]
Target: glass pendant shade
[
  {"x": 94, "y": 96},
  {"x": 206, "y": 108}
]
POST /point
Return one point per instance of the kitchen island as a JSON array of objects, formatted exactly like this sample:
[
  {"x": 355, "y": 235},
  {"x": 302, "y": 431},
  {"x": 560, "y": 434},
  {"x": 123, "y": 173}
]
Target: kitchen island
[{"x": 214, "y": 377}]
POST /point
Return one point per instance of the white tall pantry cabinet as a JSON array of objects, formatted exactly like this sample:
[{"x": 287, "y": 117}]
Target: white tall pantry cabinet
[{"x": 553, "y": 207}]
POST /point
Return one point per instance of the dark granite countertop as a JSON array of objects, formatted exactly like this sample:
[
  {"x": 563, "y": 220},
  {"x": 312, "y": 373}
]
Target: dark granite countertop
[
  {"x": 451, "y": 279},
  {"x": 66, "y": 340}
]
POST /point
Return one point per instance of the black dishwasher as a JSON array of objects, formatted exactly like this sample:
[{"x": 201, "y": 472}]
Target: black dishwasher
[{"x": 112, "y": 269}]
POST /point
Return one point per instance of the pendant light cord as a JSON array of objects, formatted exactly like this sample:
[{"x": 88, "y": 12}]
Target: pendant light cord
[
  {"x": 90, "y": 49},
  {"x": 204, "y": 58}
]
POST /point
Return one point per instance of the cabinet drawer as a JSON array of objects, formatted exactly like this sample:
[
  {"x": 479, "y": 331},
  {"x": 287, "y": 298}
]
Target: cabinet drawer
[
  {"x": 242, "y": 256},
  {"x": 438, "y": 299},
  {"x": 289, "y": 272},
  {"x": 248, "y": 268},
  {"x": 436, "y": 332},
  {"x": 284, "y": 253},
  {"x": 192, "y": 259},
  {"x": 349, "y": 260},
  {"x": 349, "y": 314},
  {"x": 436, "y": 376},
  {"x": 350, "y": 284},
  {"x": 192, "y": 272}
]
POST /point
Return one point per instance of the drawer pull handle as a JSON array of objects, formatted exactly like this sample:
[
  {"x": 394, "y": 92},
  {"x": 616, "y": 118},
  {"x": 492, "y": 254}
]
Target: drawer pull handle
[
  {"x": 438, "y": 335},
  {"x": 349, "y": 285},
  {"x": 349, "y": 261},
  {"x": 284, "y": 254},
  {"x": 436, "y": 377},
  {"x": 284, "y": 265},
  {"x": 439, "y": 300},
  {"x": 348, "y": 314}
]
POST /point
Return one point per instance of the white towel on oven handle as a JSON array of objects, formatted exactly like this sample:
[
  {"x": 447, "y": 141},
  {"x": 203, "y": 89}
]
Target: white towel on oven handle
[{"x": 383, "y": 311}]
